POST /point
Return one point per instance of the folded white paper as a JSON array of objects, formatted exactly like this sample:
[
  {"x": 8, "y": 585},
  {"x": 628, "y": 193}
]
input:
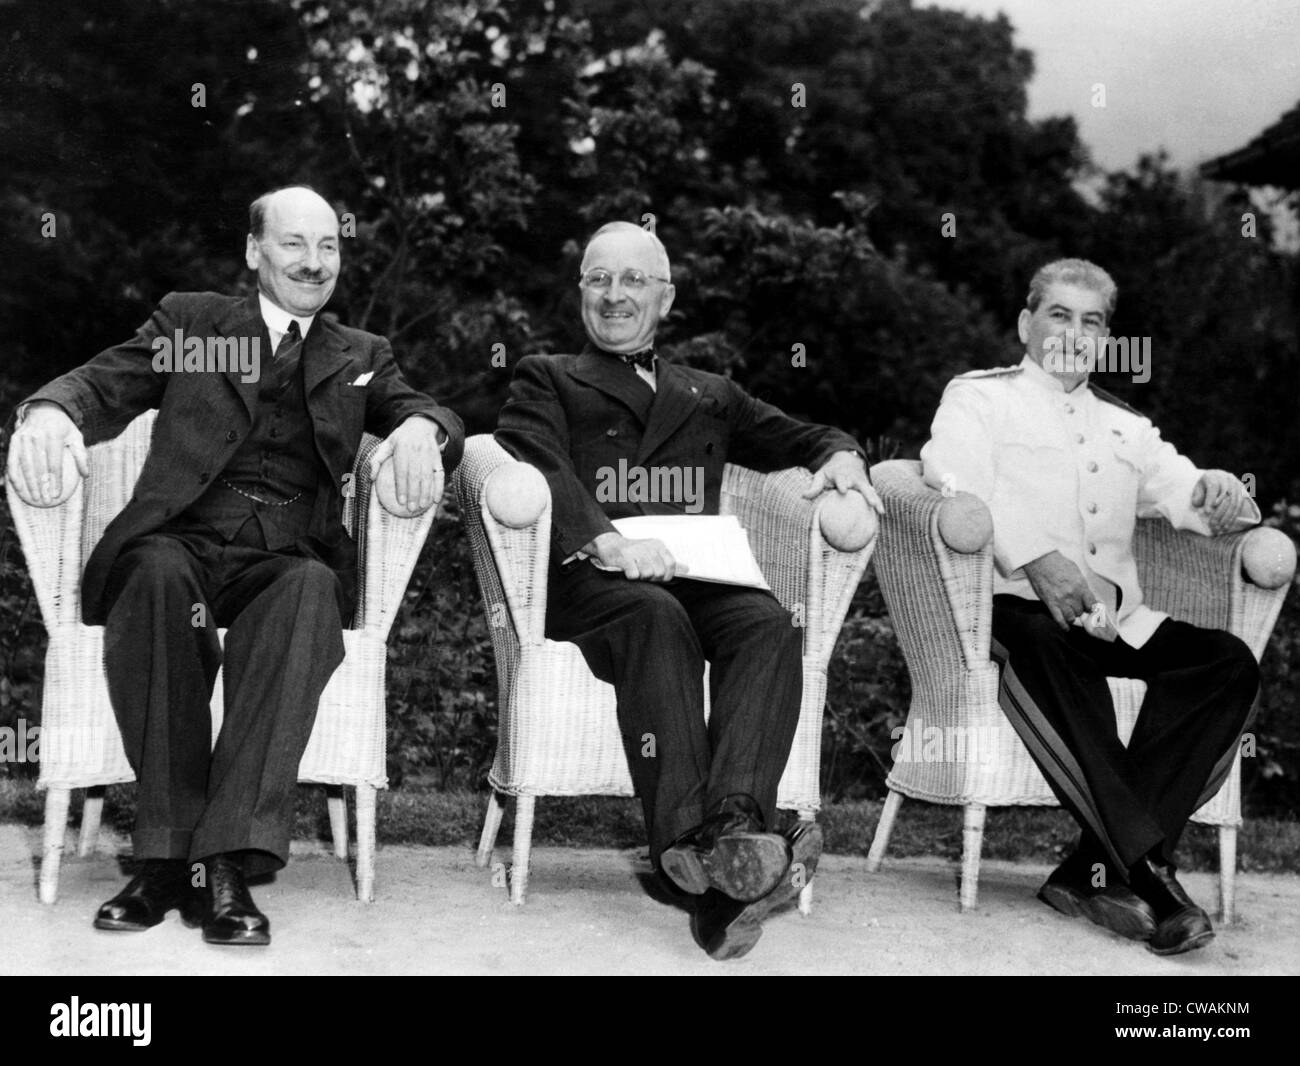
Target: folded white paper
[{"x": 713, "y": 547}]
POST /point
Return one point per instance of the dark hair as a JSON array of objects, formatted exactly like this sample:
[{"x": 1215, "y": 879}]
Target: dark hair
[{"x": 1072, "y": 272}]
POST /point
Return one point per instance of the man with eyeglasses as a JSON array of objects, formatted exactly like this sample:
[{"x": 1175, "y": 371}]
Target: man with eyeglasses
[{"x": 708, "y": 792}]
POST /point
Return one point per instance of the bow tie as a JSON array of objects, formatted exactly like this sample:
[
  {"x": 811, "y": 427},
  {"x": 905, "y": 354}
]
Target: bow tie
[{"x": 644, "y": 359}]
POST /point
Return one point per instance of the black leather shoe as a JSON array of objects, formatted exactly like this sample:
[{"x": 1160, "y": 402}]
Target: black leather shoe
[
  {"x": 1115, "y": 907},
  {"x": 728, "y": 929},
  {"x": 158, "y": 886},
  {"x": 230, "y": 915},
  {"x": 729, "y": 852},
  {"x": 721, "y": 927},
  {"x": 1181, "y": 924}
]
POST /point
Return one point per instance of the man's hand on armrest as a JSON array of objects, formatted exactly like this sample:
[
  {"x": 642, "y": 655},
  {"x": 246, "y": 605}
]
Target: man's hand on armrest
[
  {"x": 639, "y": 560},
  {"x": 845, "y": 472},
  {"x": 1223, "y": 502},
  {"x": 1061, "y": 587},
  {"x": 414, "y": 459},
  {"x": 37, "y": 463}
]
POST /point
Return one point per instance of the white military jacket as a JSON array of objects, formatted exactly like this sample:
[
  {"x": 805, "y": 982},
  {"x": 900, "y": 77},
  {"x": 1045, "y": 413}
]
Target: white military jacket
[{"x": 1061, "y": 471}]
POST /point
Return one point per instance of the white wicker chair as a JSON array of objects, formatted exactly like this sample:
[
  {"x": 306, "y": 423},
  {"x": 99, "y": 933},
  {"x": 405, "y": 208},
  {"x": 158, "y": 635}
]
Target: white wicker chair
[
  {"x": 80, "y": 743},
  {"x": 941, "y": 602},
  {"x": 558, "y": 733}
]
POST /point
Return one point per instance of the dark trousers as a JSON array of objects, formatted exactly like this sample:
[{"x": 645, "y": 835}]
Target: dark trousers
[
  {"x": 650, "y": 641},
  {"x": 1201, "y": 689},
  {"x": 169, "y": 593}
]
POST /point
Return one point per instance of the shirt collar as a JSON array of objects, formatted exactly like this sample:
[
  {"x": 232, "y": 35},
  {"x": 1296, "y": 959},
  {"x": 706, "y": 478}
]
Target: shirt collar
[
  {"x": 1043, "y": 379},
  {"x": 277, "y": 319}
]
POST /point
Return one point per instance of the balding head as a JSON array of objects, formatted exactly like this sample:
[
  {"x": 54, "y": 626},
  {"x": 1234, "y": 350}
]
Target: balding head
[
  {"x": 287, "y": 197},
  {"x": 632, "y": 233},
  {"x": 625, "y": 287},
  {"x": 293, "y": 244}
]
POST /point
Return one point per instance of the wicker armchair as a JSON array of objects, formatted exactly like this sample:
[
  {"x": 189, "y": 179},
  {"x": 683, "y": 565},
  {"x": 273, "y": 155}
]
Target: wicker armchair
[
  {"x": 558, "y": 734},
  {"x": 941, "y": 602},
  {"x": 80, "y": 743}
]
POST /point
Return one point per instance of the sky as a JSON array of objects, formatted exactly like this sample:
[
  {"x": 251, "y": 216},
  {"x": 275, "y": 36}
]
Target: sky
[{"x": 1198, "y": 77}]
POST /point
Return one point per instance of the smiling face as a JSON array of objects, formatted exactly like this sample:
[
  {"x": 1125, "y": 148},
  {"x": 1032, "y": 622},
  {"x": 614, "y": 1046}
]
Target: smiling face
[
  {"x": 296, "y": 256},
  {"x": 618, "y": 319},
  {"x": 1067, "y": 313}
]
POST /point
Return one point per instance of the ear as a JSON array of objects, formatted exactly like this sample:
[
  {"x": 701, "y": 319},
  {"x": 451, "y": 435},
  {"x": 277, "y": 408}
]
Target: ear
[
  {"x": 252, "y": 253},
  {"x": 1022, "y": 325},
  {"x": 666, "y": 299}
]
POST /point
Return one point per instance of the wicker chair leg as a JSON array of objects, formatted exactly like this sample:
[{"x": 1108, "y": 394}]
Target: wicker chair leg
[
  {"x": 806, "y": 892},
  {"x": 336, "y": 801},
  {"x": 91, "y": 815},
  {"x": 523, "y": 846},
  {"x": 880, "y": 840},
  {"x": 972, "y": 843},
  {"x": 1227, "y": 873},
  {"x": 366, "y": 843},
  {"x": 57, "y": 801},
  {"x": 496, "y": 810}
]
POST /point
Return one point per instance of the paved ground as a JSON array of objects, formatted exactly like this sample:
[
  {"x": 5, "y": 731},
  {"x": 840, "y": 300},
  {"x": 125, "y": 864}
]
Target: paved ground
[{"x": 588, "y": 912}]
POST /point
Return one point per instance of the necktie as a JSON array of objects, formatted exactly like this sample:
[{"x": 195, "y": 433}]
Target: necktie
[
  {"x": 645, "y": 359},
  {"x": 292, "y": 338}
]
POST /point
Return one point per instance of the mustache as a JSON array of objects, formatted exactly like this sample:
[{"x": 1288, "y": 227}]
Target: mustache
[{"x": 309, "y": 275}]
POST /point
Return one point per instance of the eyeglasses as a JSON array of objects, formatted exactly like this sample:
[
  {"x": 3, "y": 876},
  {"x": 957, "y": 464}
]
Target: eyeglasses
[{"x": 629, "y": 279}]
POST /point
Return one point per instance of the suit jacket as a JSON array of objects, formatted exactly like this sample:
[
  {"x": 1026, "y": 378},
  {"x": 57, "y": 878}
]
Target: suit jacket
[
  {"x": 202, "y": 417},
  {"x": 1061, "y": 471},
  {"x": 575, "y": 417}
]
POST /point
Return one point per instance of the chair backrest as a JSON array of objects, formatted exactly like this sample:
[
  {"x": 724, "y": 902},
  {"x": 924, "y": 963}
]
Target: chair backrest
[{"x": 115, "y": 467}]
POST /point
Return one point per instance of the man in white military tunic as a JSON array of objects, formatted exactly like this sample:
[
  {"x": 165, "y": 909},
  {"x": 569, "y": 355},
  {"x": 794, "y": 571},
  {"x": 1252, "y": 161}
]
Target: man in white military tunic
[{"x": 1066, "y": 470}]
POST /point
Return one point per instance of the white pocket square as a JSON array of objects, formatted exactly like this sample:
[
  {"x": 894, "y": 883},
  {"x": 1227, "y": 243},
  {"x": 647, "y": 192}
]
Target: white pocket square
[{"x": 364, "y": 379}]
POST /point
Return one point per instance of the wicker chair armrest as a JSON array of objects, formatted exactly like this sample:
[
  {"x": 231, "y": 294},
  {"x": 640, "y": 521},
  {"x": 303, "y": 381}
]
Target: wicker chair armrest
[
  {"x": 809, "y": 575},
  {"x": 51, "y": 543},
  {"x": 388, "y": 547},
  {"x": 57, "y": 540},
  {"x": 940, "y": 598},
  {"x": 1235, "y": 582},
  {"x": 511, "y": 555}
]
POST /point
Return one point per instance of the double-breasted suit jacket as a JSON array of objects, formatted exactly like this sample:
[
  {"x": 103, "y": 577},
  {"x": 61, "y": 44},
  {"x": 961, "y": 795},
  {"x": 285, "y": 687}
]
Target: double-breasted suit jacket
[
  {"x": 203, "y": 416},
  {"x": 582, "y": 419},
  {"x": 575, "y": 417}
]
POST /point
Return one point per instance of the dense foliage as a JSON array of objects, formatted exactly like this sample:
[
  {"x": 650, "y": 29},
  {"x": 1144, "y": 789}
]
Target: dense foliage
[{"x": 860, "y": 181}]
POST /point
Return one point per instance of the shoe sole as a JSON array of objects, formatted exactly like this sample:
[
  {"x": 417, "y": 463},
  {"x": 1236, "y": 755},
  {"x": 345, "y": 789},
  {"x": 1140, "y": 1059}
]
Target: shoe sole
[
  {"x": 1097, "y": 910},
  {"x": 742, "y": 934},
  {"x": 1190, "y": 944},
  {"x": 112, "y": 925},
  {"x": 805, "y": 854},
  {"x": 744, "y": 866},
  {"x": 239, "y": 940}
]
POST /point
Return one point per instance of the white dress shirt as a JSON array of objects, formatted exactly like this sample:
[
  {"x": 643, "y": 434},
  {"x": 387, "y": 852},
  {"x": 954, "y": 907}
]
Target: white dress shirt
[{"x": 277, "y": 321}]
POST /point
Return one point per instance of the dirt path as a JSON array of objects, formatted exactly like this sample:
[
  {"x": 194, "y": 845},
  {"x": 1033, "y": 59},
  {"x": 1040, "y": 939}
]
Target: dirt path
[{"x": 588, "y": 912}]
